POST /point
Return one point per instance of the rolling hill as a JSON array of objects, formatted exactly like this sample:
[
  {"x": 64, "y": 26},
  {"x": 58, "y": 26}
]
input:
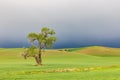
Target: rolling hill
[
  {"x": 97, "y": 51},
  {"x": 64, "y": 64}
]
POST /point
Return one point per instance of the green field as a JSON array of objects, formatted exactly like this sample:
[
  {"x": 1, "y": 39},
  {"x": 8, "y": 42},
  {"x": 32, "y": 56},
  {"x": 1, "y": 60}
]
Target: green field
[{"x": 90, "y": 63}]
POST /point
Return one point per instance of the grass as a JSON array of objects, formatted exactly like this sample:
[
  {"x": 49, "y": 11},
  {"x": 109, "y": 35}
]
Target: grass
[{"x": 59, "y": 65}]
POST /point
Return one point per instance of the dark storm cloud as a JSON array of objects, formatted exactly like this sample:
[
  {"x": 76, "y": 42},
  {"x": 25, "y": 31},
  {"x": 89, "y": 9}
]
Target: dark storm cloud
[{"x": 73, "y": 20}]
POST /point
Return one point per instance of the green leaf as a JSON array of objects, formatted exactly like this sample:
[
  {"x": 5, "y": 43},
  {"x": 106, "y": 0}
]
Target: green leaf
[{"x": 32, "y": 37}]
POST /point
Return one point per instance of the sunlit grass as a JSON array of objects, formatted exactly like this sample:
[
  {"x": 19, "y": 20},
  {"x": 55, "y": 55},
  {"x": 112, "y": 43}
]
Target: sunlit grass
[{"x": 58, "y": 65}]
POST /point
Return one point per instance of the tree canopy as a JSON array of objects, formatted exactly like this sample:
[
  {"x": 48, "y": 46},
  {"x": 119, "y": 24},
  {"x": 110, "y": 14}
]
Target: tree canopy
[{"x": 44, "y": 39}]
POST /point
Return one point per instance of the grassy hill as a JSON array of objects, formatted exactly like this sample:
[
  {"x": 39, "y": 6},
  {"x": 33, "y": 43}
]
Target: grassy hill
[
  {"x": 71, "y": 64},
  {"x": 97, "y": 51}
]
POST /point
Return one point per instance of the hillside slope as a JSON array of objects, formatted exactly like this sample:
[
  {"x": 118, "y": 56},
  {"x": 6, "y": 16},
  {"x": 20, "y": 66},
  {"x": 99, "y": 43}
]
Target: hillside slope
[{"x": 100, "y": 51}]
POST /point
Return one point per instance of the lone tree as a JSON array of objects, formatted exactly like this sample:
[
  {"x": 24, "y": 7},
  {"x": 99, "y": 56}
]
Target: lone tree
[{"x": 44, "y": 39}]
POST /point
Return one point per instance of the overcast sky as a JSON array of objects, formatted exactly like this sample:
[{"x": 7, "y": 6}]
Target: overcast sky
[{"x": 76, "y": 22}]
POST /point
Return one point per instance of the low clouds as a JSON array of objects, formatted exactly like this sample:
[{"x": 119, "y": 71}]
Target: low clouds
[{"x": 73, "y": 20}]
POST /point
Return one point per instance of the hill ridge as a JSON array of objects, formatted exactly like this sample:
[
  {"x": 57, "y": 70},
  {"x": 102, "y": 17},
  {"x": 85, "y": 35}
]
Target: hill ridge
[{"x": 97, "y": 51}]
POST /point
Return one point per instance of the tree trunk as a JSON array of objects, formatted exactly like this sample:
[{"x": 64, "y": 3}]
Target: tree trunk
[
  {"x": 37, "y": 61},
  {"x": 39, "y": 57}
]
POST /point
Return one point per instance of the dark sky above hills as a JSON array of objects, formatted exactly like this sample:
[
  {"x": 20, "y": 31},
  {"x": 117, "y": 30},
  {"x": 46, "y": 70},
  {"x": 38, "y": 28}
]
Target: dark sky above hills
[{"x": 77, "y": 22}]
